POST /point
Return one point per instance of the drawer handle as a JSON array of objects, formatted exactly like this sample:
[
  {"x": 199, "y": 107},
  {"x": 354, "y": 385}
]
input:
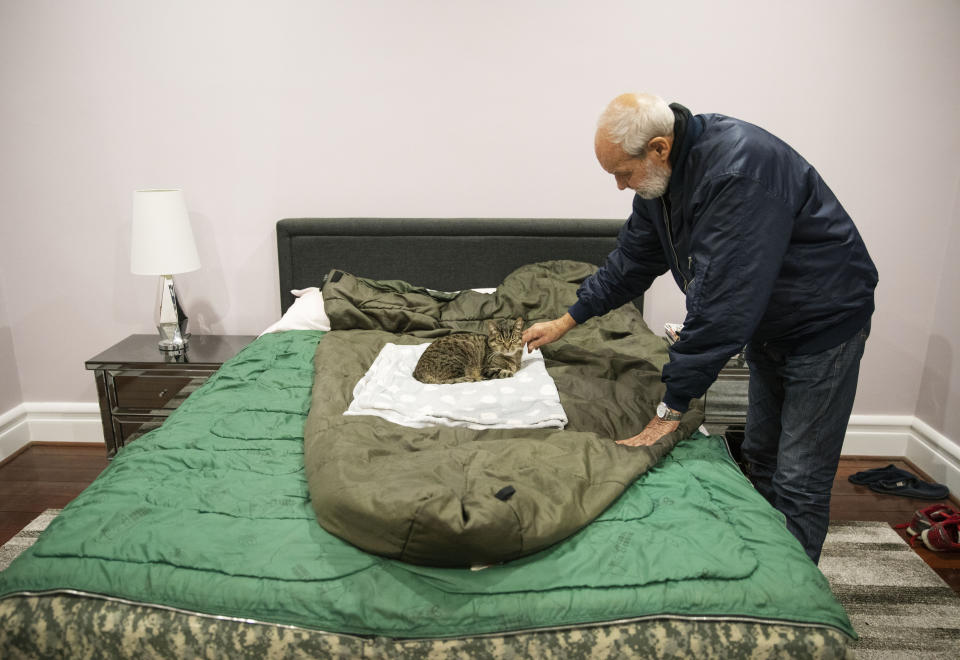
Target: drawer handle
[{"x": 161, "y": 394}]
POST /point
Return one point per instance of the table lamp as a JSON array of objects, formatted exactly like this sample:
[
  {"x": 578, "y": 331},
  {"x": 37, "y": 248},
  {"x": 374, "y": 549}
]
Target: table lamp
[{"x": 161, "y": 243}]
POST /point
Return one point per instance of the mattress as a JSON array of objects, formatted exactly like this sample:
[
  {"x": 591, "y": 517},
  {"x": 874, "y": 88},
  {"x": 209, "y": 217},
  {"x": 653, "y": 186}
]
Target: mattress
[{"x": 202, "y": 535}]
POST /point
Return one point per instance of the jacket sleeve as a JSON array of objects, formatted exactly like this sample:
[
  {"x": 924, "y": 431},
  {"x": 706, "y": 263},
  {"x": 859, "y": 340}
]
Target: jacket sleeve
[
  {"x": 741, "y": 236},
  {"x": 629, "y": 270}
]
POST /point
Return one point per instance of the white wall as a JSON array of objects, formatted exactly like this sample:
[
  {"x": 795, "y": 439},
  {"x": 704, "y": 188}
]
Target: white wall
[{"x": 265, "y": 110}]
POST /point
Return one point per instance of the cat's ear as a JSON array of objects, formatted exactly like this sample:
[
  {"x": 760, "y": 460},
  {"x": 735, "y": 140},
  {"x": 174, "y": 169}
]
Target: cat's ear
[
  {"x": 518, "y": 326},
  {"x": 491, "y": 327}
]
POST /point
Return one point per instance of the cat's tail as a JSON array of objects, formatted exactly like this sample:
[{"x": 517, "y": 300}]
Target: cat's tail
[{"x": 471, "y": 375}]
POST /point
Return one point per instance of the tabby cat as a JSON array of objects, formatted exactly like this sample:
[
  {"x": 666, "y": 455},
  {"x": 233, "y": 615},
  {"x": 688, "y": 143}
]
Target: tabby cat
[{"x": 468, "y": 357}]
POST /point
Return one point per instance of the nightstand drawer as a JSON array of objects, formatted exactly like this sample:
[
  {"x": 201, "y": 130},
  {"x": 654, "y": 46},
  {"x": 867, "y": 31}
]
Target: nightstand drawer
[
  {"x": 151, "y": 390},
  {"x": 726, "y": 401},
  {"x": 129, "y": 428}
]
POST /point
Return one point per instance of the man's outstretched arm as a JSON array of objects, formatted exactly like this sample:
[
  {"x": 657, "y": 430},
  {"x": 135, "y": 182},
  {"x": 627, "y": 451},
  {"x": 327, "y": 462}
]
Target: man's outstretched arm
[{"x": 545, "y": 332}]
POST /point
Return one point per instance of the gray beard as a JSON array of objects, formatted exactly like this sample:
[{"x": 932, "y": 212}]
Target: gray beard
[{"x": 655, "y": 185}]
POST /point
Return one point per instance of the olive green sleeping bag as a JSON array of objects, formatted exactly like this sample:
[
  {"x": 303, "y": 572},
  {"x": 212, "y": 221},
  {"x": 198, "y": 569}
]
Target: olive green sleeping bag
[{"x": 430, "y": 496}]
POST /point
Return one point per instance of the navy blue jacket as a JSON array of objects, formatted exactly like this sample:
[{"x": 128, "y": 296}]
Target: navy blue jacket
[{"x": 757, "y": 241}]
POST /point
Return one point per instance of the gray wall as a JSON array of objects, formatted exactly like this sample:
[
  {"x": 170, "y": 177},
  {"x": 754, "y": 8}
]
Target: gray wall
[
  {"x": 10, "y": 394},
  {"x": 939, "y": 401},
  {"x": 265, "y": 110}
]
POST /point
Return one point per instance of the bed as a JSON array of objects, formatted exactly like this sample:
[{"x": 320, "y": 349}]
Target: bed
[{"x": 202, "y": 537}]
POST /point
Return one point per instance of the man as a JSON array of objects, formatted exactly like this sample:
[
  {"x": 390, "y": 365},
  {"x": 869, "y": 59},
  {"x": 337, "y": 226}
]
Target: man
[{"x": 768, "y": 259}]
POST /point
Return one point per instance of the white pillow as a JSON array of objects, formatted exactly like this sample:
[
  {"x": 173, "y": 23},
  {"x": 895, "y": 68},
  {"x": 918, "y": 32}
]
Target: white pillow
[{"x": 306, "y": 313}]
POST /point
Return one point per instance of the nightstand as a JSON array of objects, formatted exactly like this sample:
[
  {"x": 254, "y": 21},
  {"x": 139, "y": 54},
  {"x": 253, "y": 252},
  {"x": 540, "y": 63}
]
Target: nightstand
[
  {"x": 140, "y": 385},
  {"x": 725, "y": 403}
]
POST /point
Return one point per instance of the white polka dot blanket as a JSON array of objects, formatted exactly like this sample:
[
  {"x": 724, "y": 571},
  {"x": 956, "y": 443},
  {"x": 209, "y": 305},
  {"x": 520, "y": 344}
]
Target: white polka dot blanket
[{"x": 528, "y": 399}]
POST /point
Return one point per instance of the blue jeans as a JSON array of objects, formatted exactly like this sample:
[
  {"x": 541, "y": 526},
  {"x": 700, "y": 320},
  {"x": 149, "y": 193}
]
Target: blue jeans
[{"x": 797, "y": 415}]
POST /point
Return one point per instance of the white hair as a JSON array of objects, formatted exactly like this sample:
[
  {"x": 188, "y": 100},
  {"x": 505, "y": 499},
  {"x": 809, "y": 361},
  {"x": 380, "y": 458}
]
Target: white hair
[{"x": 632, "y": 120}]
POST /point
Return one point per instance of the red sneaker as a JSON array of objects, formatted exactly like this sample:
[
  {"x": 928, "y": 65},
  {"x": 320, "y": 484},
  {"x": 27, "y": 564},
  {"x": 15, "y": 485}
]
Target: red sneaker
[
  {"x": 926, "y": 518},
  {"x": 944, "y": 536}
]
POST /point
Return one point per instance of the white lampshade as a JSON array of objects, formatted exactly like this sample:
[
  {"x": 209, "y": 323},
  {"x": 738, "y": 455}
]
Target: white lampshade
[{"x": 161, "y": 241}]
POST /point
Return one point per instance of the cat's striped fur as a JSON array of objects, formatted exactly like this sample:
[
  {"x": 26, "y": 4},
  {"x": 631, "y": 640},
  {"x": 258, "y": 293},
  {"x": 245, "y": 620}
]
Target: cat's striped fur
[{"x": 467, "y": 357}]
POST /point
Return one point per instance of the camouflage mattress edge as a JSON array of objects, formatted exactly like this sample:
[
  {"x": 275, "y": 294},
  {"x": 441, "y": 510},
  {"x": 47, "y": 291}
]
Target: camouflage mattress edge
[{"x": 81, "y": 627}]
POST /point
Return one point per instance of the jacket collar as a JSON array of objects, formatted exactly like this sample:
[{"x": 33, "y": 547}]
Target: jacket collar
[{"x": 687, "y": 129}]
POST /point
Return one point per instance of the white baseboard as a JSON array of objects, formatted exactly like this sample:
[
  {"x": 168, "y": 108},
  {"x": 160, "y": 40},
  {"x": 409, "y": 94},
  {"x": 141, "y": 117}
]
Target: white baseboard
[
  {"x": 909, "y": 437},
  {"x": 878, "y": 435},
  {"x": 49, "y": 422},
  {"x": 14, "y": 431},
  {"x": 867, "y": 435}
]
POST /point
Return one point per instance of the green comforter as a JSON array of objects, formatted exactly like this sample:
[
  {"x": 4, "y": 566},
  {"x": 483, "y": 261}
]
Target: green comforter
[{"x": 211, "y": 513}]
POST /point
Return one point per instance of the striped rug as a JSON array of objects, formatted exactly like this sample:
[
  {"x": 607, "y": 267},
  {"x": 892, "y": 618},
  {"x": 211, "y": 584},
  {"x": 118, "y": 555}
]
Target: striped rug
[
  {"x": 898, "y": 605},
  {"x": 25, "y": 537}
]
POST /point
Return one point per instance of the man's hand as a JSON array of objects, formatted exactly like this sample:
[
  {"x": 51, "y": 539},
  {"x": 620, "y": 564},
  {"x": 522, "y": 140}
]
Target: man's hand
[
  {"x": 656, "y": 429},
  {"x": 545, "y": 332}
]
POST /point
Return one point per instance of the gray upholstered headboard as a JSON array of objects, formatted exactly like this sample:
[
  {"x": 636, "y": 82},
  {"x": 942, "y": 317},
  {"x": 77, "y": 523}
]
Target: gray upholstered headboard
[{"x": 439, "y": 253}]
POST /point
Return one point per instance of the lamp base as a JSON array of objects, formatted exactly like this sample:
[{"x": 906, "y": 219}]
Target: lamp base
[
  {"x": 171, "y": 319},
  {"x": 173, "y": 345}
]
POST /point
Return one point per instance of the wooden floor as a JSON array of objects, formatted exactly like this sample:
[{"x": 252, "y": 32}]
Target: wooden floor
[
  {"x": 49, "y": 476},
  {"x": 44, "y": 477},
  {"x": 852, "y": 502}
]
